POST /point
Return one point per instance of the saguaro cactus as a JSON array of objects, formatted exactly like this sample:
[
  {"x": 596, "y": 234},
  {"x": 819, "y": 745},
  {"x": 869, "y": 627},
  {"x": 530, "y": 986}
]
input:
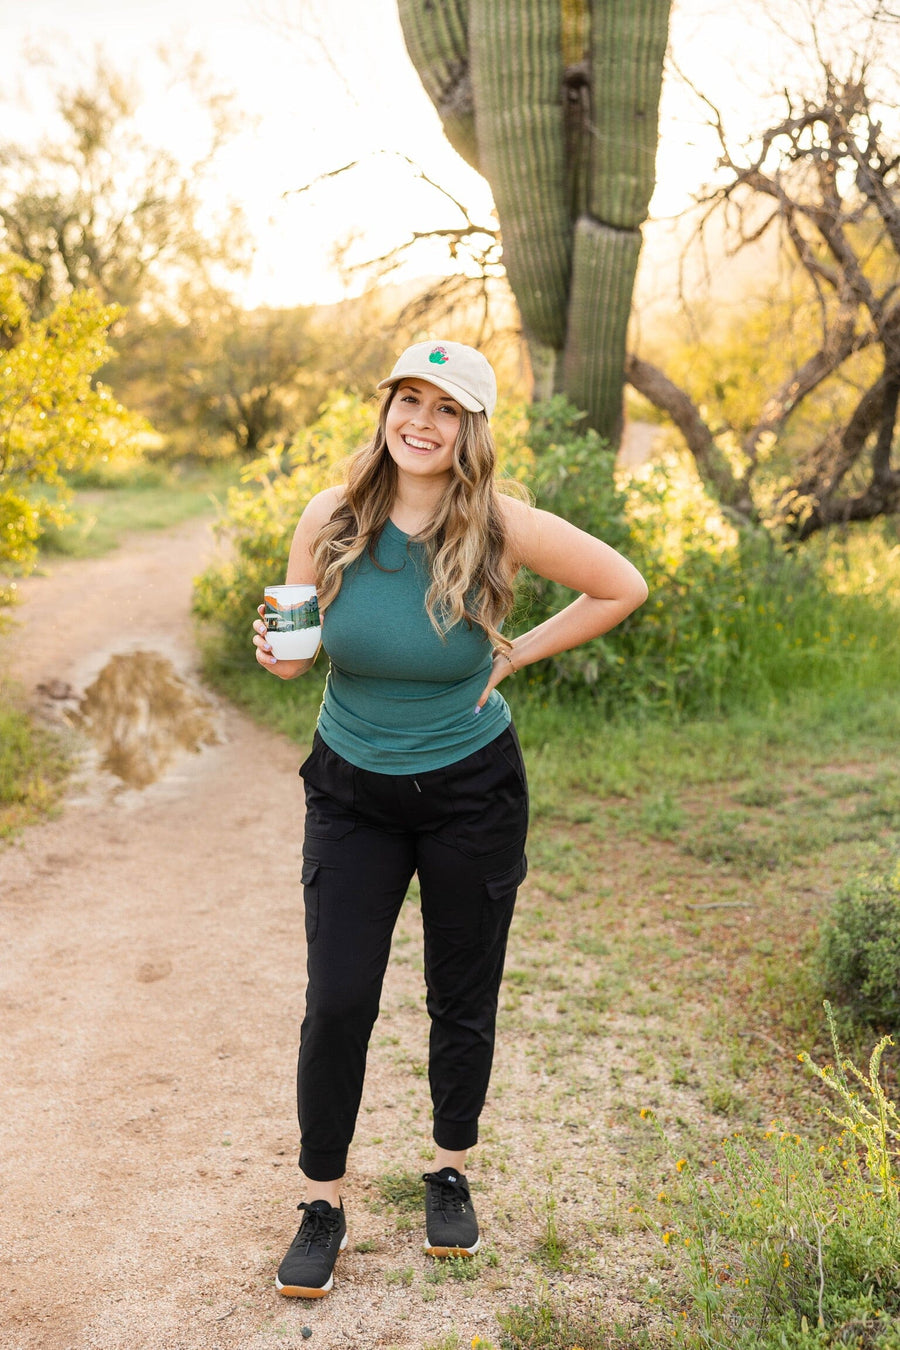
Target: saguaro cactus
[{"x": 556, "y": 103}]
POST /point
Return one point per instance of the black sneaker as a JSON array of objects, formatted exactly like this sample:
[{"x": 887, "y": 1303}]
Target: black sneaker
[
  {"x": 307, "y": 1270},
  {"x": 450, "y": 1222}
]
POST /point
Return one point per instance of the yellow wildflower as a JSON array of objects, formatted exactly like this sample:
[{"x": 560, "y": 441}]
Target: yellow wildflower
[
  {"x": 785, "y": 1260},
  {"x": 667, "y": 1236},
  {"x": 681, "y": 1164}
]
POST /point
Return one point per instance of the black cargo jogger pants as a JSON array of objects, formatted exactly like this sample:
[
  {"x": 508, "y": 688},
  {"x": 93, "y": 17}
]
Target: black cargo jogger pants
[{"x": 462, "y": 829}]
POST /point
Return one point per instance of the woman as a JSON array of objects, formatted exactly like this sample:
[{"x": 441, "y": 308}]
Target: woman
[{"x": 415, "y": 766}]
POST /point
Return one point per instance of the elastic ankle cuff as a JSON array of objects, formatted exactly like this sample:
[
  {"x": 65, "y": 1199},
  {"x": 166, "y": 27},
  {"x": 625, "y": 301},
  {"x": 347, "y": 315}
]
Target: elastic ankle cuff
[
  {"x": 323, "y": 1166},
  {"x": 455, "y": 1135}
]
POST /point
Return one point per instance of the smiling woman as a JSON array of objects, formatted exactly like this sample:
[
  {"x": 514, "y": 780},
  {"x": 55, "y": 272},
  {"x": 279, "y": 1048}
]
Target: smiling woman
[{"x": 415, "y": 768}]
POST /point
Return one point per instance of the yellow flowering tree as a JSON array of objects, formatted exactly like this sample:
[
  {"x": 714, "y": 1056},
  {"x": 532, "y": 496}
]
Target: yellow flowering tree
[{"x": 53, "y": 418}]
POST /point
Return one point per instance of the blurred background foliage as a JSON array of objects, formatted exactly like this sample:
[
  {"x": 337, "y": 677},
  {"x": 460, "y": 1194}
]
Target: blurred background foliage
[
  {"x": 134, "y": 387},
  {"x": 733, "y": 620}
]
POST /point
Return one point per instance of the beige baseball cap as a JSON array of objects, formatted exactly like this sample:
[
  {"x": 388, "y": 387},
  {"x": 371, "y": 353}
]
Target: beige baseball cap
[{"x": 460, "y": 371}]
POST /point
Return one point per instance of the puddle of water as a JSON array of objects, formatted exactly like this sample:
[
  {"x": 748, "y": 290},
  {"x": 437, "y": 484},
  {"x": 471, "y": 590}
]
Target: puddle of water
[{"x": 141, "y": 714}]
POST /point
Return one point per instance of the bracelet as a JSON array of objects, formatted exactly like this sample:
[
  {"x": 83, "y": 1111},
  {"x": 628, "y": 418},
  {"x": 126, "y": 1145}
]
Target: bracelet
[{"x": 506, "y": 657}]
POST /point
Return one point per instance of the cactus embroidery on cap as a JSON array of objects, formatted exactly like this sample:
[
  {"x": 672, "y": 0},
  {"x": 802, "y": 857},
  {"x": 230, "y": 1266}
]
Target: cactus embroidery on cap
[{"x": 438, "y": 355}]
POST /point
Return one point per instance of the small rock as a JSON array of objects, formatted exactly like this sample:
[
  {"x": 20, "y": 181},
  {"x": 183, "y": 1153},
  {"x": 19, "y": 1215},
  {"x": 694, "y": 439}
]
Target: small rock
[
  {"x": 306, "y": 1332},
  {"x": 58, "y": 689}
]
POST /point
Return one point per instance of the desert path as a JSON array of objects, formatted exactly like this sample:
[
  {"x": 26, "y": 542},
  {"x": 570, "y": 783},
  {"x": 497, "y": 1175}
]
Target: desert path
[{"x": 151, "y": 991}]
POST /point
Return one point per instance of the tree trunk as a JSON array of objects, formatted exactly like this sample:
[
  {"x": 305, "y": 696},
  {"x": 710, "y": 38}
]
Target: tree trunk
[{"x": 712, "y": 466}]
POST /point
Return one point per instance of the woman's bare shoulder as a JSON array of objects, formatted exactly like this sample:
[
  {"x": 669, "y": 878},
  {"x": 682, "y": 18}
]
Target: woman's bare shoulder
[
  {"x": 518, "y": 517},
  {"x": 319, "y": 510},
  {"x": 316, "y": 514}
]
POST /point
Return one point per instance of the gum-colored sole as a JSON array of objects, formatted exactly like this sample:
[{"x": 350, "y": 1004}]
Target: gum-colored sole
[
  {"x": 452, "y": 1251},
  {"x": 300, "y": 1291}
]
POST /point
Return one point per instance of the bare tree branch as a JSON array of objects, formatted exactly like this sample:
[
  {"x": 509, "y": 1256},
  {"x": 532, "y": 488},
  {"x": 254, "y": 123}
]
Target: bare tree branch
[
  {"x": 831, "y": 177},
  {"x": 843, "y": 342}
]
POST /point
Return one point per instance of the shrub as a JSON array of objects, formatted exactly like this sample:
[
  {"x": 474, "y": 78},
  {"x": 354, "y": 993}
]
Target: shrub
[
  {"x": 731, "y": 621},
  {"x": 572, "y": 476},
  {"x": 54, "y": 416},
  {"x": 860, "y": 949},
  {"x": 259, "y": 522}
]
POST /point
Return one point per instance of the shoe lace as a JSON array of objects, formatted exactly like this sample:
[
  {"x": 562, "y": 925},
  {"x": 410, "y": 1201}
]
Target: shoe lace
[
  {"x": 316, "y": 1230},
  {"x": 445, "y": 1195}
]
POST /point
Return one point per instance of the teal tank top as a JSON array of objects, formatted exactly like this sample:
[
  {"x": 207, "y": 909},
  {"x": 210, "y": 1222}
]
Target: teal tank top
[{"x": 399, "y": 699}]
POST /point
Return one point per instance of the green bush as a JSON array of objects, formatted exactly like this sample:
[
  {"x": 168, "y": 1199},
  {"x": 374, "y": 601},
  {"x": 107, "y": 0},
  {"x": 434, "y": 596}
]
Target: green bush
[
  {"x": 860, "y": 950},
  {"x": 732, "y": 620},
  {"x": 259, "y": 522},
  {"x": 572, "y": 475}
]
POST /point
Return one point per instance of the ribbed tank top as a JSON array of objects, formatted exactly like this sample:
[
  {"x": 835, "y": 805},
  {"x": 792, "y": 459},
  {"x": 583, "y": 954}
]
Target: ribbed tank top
[{"x": 399, "y": 699}]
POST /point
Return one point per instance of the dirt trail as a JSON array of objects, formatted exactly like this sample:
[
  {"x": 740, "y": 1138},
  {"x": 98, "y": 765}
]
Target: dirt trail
[{"x": 151, "y": 971}]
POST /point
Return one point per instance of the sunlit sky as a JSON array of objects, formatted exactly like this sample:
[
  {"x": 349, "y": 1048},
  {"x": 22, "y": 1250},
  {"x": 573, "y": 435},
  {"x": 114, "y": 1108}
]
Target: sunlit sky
[{"x": 322, "y": 84}]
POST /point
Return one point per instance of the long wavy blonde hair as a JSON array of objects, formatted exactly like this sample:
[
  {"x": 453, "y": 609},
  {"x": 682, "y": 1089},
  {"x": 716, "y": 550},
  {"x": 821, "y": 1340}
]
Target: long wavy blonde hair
[{"x": 471, "y": 579}]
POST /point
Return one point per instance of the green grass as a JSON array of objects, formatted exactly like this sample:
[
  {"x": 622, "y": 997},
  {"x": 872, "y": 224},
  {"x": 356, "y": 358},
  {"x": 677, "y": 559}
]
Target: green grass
[
  {"x": 546, "y": 1323},
  {"x": 33, "y": 768},
  {"x": 781, "y": 1239},
  {"x": 147, "y": 497},
  {"x": 403, "y": 1192}
]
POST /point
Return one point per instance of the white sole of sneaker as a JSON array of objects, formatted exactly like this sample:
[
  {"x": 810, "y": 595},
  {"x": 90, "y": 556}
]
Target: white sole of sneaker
[{"x": 301, "y": 1291}]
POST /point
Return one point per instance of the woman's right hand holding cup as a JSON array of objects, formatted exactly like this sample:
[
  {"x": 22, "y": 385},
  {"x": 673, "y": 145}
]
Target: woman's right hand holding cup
[{"x": 265, "y": 657}]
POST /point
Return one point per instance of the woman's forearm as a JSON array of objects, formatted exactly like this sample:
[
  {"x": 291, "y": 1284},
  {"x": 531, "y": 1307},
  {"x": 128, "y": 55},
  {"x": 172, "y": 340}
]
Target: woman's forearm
[{"x": 586, "y": 618}]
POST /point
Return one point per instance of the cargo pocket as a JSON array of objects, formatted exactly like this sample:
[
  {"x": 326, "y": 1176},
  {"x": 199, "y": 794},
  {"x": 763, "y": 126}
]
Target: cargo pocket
[
  {"x": 489, "y": 797},
  {"x": 500, "y": 901},
  {"x": 310, "y": 879}
]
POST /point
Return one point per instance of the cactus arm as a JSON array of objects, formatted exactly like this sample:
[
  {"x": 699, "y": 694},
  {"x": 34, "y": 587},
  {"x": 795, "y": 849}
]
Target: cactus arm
[
  {"x": 603, "y": 272},
  {"x": 517, "y": 77},
  {"x": 436, "y": 37},
  {"x": 628, "y": 44},
  {"x": 628, "y": 48}
]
